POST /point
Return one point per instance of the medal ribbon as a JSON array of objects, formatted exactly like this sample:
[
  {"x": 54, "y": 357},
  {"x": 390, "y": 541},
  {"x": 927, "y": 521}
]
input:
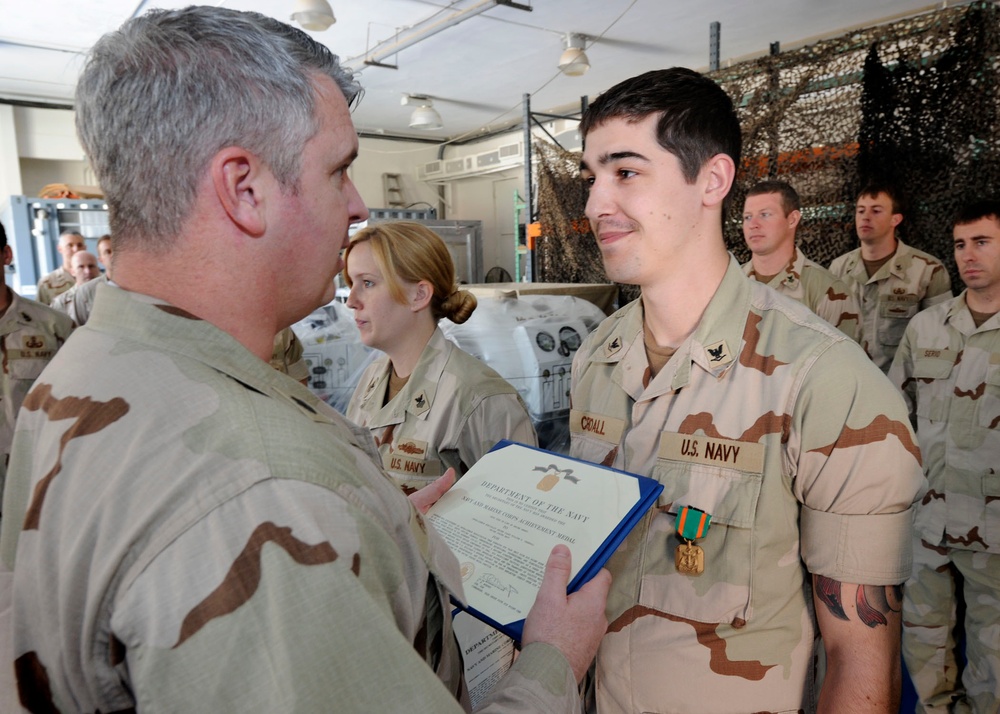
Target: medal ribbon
[{"x": 693, "y": 524}]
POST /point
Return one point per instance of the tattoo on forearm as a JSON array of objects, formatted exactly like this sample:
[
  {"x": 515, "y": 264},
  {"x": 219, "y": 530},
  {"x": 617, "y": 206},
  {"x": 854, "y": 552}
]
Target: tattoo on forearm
[{"x": 873, "y": 603}]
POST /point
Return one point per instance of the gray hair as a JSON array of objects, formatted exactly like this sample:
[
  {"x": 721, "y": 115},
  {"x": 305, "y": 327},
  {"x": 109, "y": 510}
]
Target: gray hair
[{"x": 160, "y": 96}]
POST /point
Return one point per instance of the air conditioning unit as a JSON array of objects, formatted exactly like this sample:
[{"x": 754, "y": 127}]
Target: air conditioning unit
[
  {"x": 502, "y": 157},
  {"x": 430, "y": 170}
]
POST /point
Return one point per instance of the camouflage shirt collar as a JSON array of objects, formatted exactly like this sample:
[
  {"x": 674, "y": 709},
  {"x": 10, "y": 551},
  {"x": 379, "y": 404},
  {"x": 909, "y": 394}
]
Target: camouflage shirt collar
[
  {"x": 14, "y": 315},
  {"x": 790, "y": 275},
  {"x": 417, "y": 395},
  {"x": 716, "y": 341},
  {"x": 148, "y": 321},
  {"x": 960, "y": 317},
  {"x": 896, "y": 266},
  {"x": 793, "y": 273},
  {"x": 900, "y": 262},
  {"x": 714, "y": 345}
]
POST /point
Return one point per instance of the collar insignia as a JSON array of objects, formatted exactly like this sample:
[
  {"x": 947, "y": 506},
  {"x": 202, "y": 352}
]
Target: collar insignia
[
  {"x": 419, "y": 404},
  {"x": 719, "y": 354}
]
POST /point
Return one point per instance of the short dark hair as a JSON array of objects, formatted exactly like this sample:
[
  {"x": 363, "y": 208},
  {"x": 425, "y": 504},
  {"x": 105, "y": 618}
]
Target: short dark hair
[
  {"x": 697, "y": 119},
  {"x": 873, "y": 188},
  {"x": 3, "y": 237},
  {"x": 973, "y": 211},
  {"x": 789, "y": 196}
]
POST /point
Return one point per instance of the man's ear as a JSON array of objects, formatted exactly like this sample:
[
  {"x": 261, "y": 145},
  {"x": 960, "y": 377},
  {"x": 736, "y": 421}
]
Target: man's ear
[
  {"x": 897, "y": 218},
  {"x": 421, "y": 296},
  {"x": 239, "y": 180},
  {"x": 8, "y": 255},
  {"x": 794, "y": 218},
  {"x": 719, "y": 173}
]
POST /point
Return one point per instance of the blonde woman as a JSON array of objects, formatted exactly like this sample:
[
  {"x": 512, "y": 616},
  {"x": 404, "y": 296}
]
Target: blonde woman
[{"x": 428, "y": 404}]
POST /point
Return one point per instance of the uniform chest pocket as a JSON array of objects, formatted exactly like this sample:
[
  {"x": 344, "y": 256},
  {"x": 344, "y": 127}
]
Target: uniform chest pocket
[
  {"x": 930, "y": 374},
  {"x": 895, "y": 312},
  {"x": 989, "y": 405},
  {"x": 26, "y": 367},
  {"x": 722, "y": 593},
  {"x": 595, "y": 437},
  {"x": 902, "y": 307}
]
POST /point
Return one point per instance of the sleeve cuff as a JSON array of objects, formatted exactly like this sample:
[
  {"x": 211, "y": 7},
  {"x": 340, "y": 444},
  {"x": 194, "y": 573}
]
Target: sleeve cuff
[
  {"x": 545, "y": 663},
  {"x": 863, "y": 549}
]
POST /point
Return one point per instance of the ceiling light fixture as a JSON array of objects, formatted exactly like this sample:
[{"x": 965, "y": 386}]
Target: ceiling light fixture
[
  {"x": 573, "y": 61},
  {"x": 313, "y": 14},
  {"x": 424, "y": 117}
]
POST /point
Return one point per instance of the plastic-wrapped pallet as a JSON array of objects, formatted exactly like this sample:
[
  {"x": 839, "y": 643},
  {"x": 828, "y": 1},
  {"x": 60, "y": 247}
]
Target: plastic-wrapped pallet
[
  {"x": 530, "y": 340},
  {"x": 334, "y": 353}
]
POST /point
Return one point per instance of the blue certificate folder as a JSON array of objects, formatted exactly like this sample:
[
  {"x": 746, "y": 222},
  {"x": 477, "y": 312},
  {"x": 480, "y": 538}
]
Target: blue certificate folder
[{"x": 560, "y": 475}]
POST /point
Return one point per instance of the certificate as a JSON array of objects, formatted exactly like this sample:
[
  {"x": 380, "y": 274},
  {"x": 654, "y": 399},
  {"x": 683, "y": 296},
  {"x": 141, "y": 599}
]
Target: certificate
[
  {"x": 486, "y": 653},
  {"x": 504, "y": 516}
]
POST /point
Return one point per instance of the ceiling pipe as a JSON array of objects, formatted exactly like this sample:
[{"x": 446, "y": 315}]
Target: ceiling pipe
[{"x": 424, "y": 29}]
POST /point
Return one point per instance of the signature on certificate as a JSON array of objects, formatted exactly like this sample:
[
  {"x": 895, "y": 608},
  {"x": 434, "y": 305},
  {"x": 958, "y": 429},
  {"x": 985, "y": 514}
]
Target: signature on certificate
[{"x": 492, "y": 582}]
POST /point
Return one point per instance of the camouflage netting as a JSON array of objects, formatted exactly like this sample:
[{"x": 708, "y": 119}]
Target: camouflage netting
[{"x": 914, "y": 103}]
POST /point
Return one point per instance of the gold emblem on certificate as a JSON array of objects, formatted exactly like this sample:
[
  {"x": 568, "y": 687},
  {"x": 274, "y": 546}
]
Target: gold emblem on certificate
[
  {"x": 553, "y": 474},
  {"x": 692, "y": 524}
]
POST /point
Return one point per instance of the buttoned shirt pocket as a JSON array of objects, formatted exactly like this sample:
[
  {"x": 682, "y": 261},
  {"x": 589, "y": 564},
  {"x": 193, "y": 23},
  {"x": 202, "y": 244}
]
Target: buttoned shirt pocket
[
  {"x": 895, "y": 312},
  {"x": 722, "y": 592},
  {"x": 931, "y": 373},
  {"x": 26, "y": 365},
  {"x": 989, "y": 404},
  {"x": 595, "y": 437}
]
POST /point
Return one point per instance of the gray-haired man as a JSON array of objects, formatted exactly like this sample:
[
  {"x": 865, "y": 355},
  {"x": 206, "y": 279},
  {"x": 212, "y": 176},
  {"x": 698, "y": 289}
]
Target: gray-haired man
[{"x": 191, "y": 529}]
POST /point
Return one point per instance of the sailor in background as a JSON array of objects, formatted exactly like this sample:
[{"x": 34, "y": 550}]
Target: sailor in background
[{"x": 428, "y": 404}]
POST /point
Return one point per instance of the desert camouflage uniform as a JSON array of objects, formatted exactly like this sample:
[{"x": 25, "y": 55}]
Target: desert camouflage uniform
[
  {"x": 452, "y": 410},
  {"x": 910, "y": 282},
  {"x": 949, "y": 371},
  {"x": 61, "y": 302},
  {"x": 287, "y": 355},
  {"x": 239, "y": 551},
  {"x": 778, "y": 426},
  {"x": 55, "y": 283},
  {"x": 30, "y": 334},
  {"x": 79, "y": 300},
  {"x": 818, "y": 289}
]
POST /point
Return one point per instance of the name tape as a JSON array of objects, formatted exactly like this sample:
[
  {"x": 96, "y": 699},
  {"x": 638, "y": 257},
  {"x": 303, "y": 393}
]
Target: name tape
[
  {"x": 603, "y": 427},
  {"x": 742, "y": 455}
]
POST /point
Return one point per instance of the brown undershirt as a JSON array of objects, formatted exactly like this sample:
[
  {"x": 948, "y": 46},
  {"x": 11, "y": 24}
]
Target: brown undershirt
[
  {"x": 656, "y": 356},
  {"x": 872, "y": 266},
  {"x": 765, "y": 279},
  {"x": 396, "y": 384},
  {"x": 980, "y": 317}
]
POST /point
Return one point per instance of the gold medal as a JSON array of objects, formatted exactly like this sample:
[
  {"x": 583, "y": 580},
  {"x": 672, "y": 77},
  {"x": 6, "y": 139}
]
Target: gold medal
[
  {"x": 692, "y": 524},
  {"x": 689, "y": 559}
]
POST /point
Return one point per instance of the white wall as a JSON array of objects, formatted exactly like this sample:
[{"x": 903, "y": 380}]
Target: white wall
[
  {"x": 490, "y": 198},
  {"x": 47, "y": 134},
  {"x": 10, "y": 173},
  {"x": 382, "y": 156},
  {"x": 38, "y": 147},
  {"x": 38, "y": 173}
]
